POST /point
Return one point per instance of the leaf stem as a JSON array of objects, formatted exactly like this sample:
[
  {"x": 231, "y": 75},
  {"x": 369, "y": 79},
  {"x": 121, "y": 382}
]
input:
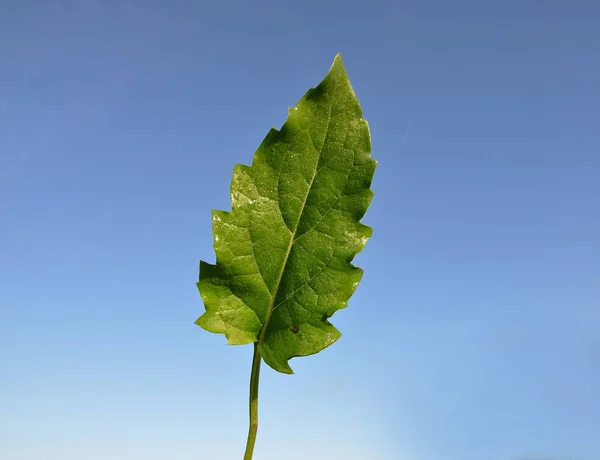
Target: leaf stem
[{"x": 253, "y": 404}]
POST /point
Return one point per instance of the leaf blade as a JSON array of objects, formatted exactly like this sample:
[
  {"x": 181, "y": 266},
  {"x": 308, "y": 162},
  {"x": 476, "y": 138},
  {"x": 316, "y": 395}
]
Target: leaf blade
[{"x": 284, "y": 252}]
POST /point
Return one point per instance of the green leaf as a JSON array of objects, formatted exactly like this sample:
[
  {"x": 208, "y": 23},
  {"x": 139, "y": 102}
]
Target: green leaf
[{"x": 284, "y": 252}]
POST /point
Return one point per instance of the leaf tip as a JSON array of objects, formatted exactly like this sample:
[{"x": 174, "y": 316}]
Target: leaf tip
[{"x": 338, "y": 62}]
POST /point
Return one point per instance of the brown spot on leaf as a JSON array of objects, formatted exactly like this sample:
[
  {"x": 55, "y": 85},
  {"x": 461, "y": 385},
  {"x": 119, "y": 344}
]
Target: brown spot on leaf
[{"x": 295, "y": 329}]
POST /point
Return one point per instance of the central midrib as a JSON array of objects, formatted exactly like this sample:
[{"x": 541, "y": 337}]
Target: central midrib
[{"x": 265, "y": 325}]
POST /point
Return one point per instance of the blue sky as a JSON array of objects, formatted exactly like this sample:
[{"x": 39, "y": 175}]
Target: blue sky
[{"x": 474, "y": 333}]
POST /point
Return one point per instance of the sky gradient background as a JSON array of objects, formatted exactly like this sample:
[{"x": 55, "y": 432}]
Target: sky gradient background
[{"x": 474, "y": 333}]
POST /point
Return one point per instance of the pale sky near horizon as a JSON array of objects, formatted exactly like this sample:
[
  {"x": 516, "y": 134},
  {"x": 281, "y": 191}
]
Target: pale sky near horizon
[{"x": 474, "y": 334}]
